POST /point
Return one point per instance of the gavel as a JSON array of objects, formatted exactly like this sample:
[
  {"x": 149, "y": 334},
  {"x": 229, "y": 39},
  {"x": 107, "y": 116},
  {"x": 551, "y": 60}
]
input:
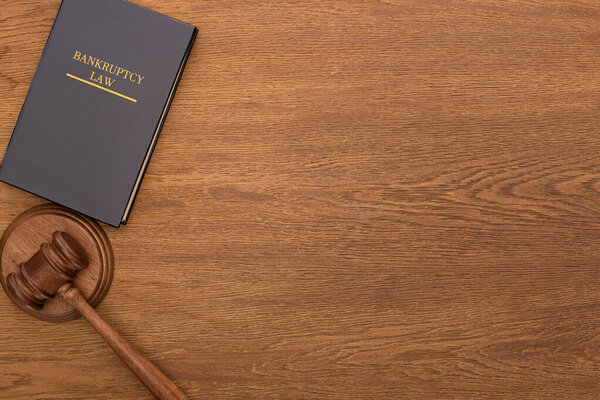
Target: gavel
[{"x": 51, "y": 271}]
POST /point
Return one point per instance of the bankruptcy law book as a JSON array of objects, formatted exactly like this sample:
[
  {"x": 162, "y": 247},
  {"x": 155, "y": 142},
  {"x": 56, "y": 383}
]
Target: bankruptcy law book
[{"x": 96, "y": 105}]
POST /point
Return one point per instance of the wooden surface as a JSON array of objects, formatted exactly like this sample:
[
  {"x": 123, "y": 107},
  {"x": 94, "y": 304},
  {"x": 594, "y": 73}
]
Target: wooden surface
[{"x": 349, "y": 199}]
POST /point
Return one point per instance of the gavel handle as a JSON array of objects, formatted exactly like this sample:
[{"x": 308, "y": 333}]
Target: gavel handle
[{"x": 157, "y": 383}]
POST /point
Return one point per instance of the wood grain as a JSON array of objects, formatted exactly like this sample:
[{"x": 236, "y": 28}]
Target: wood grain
[{"x": 349, "y": 199}]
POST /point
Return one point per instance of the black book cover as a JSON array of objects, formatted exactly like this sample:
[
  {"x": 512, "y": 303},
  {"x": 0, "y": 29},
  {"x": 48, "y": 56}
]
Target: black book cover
[{"x": 96, "y": 105}]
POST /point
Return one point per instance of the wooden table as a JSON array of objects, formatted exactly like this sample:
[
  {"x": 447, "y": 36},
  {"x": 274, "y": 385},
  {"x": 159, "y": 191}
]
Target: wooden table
[{"x": 349, "y": 199}]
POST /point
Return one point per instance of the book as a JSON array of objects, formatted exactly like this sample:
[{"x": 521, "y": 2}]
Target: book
[{"x": 96, "y": 105}]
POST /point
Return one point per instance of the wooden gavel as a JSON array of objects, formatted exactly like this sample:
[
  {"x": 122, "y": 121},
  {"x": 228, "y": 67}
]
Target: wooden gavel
[{"x": 51, "y": 271}]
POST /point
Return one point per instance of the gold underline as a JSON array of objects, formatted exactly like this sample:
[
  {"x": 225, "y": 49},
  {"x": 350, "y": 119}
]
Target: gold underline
[{"x": 103, "y": 88}]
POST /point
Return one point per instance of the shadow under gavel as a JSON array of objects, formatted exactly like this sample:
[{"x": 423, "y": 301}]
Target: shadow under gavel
[{"x": 51, "y": 271}]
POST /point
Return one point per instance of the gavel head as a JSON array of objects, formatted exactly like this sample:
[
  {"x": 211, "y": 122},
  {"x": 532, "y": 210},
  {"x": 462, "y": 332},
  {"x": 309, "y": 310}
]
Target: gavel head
[{"x": 40, "y": 277}]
